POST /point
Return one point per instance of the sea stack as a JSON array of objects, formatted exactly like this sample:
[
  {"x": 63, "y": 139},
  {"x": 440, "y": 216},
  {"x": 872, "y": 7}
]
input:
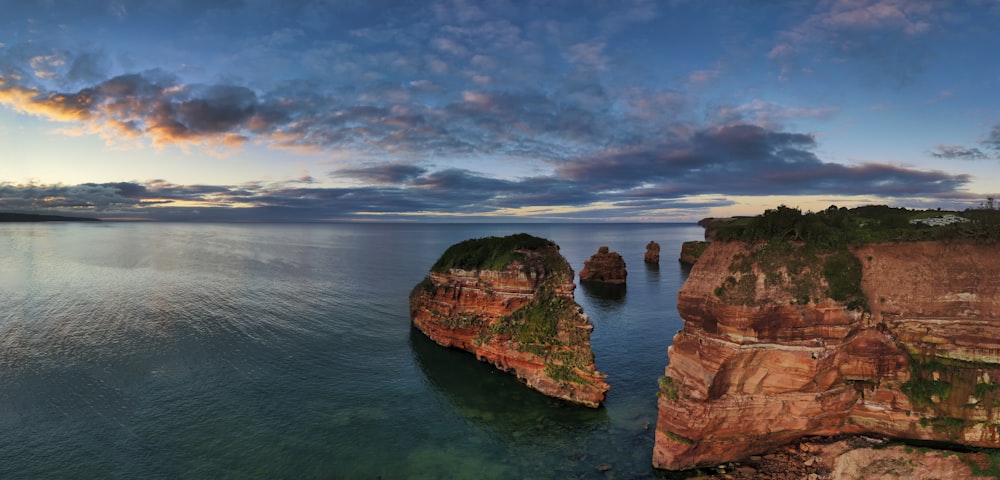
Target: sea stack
[
  {"x": 652, "y": 254},
  {"x": 782, "y": 341},
  {"x": 604, "y": 266},
  {"x": 509, "y": 301}
]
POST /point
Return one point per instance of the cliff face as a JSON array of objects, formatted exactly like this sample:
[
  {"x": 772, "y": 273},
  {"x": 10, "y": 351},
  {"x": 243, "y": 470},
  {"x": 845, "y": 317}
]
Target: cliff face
[
  {"x": 767, "y": 355},
  {"x": 520, "y": 317},
  {"x": 604, "y": 266}
]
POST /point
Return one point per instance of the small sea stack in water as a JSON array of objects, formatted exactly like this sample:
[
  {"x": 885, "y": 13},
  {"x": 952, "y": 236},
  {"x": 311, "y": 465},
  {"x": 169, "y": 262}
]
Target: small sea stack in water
[
  {"x": 652, "y": 254},
  {"x": 509, "y": 301},
  {"x": 604, "y": 266}
]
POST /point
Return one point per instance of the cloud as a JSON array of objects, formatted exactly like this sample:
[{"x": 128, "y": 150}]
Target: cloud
[
  {"x": 769, "y": 114},
  {"x": 48, "y": 66},
  {"x": 640, "y": 181},
  {"x": 388, "y": 173},
  {"x": 992, "y": 141},
  {"x": 152, "y": 104},
  {"x": 588, "y": 56},
  {"x": 746, "y": 160},
  {"x": 628, "y": 13},
  {"x": 958, "y": 152},
  {"x": 882, "y": 35},
  {"x": 375, "y": 118},
  {"x": 699, "y": 78}
]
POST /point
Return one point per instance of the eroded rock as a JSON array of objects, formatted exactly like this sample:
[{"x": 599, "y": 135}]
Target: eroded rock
[
  {"x": 604, "y": 266},
  {"x": 510, "y": 302},
  {"x": 766, "y": 357}
]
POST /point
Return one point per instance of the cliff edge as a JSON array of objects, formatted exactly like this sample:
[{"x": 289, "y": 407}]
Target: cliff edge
[
  {"x": 782, "y": 341},
  {"x": 510, "y": 302}
]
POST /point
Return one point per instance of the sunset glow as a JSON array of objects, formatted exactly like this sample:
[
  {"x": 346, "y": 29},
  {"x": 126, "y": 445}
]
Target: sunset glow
[{"x": 494, "y": 111}]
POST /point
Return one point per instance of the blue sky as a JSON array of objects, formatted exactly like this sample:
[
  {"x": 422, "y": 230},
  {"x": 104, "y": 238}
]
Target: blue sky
[{"x": 458, "y": 110}]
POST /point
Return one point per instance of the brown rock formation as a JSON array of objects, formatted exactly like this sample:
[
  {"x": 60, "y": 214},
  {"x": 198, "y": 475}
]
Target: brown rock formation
[
  {"x": 854, "y": 457},
  {"x": 691, "y": 251},
  {"x": 766, "y": 356},
  {"x": 517, "y": 314},
  {"x": 652, "y": 254},
  {"x": 604, "y": 266}
]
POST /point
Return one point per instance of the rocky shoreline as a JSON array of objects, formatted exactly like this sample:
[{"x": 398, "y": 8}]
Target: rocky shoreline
[{"x": 854, "y": 457}]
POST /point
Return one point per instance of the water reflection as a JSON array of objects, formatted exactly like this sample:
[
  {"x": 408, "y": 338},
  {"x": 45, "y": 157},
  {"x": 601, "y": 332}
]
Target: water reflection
[
  {"x": 489, "y": 398},
  {"x": 604, "y": 294},
  {"x": 652, "y": 268}
]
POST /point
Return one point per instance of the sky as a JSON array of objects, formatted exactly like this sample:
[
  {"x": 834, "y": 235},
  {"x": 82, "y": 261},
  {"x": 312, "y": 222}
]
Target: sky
[{"x": 502, "y": 110}]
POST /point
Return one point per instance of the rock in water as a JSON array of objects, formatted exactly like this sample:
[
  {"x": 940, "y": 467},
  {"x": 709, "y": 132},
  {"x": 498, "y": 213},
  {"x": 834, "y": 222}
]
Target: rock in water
[
  {"x": 781, "y": 341},
  {"x": 510, "y": 302},
  {"x": 652, "y": 254},
  {"x": 604, "y": 266}
]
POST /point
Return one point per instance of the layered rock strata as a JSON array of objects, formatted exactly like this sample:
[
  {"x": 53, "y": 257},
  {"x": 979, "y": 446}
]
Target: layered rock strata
[
  {"x": 604, "y": 266},
  {"x": 767, "y": 355},
  {"x": 518, "y": 314},
  {"x": 652, "y": 254}
]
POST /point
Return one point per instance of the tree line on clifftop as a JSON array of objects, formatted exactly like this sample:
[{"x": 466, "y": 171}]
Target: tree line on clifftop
[
  {"x": 835, "y": 228},
  {"x": 807, "y": 254}
]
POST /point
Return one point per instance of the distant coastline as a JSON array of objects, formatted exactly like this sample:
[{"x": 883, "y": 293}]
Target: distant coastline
[{"x": 32, "y": 217}]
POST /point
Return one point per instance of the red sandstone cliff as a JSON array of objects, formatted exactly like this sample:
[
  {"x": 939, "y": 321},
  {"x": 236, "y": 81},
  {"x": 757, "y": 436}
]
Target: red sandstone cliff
[
  {"x": 520, "y": 317},
  {"x": 764, "y": 358}
]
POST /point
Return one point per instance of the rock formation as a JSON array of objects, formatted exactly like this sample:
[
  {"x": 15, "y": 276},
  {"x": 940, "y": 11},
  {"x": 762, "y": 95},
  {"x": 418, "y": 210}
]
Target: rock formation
[
  {"x": 604, "y": 266},
  {"x": 691, "y": 251},
  {"x": 779, "y": 342},
  {"x": 652, "y": 254},
  {"x": 510, "y": 302}
]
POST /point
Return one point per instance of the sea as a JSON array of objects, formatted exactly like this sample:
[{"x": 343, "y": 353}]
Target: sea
[{"x": 216, "y": 351}]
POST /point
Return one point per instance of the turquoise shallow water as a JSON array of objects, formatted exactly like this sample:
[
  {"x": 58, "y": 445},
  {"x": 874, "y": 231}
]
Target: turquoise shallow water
[{"x": 286, "y": 351}]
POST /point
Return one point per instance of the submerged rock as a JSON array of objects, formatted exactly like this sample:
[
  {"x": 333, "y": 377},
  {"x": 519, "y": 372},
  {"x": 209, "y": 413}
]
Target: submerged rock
[
  {"x": 510, "y": 302},
  {"x": 604, "y": 266}
]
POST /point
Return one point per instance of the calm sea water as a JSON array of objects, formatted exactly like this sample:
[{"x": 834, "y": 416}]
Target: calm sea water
[{"x": 286, "y": 351}]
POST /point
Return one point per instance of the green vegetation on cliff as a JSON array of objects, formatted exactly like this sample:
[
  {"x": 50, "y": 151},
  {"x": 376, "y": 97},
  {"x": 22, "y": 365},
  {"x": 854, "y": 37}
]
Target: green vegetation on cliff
[
  {"x": 691, "y": 251},
  {"x": 804, "y": 254},
  {"x": 808, "y": 253},
  {"x": 836, "y": 228},
  {"x": 944, "y": 390},
  {"x": 805, "y": 271},
  {"x": 488, "y": 253}
]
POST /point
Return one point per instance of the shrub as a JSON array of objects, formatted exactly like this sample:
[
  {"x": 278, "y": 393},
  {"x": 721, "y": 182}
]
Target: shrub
[{"x": 488, "y": 253}]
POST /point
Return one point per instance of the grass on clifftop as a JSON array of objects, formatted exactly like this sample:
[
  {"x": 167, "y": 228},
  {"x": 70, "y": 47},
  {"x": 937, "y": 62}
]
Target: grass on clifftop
[
  {"x": 804, "y": 254},
  {"x": 488, "y": 253},
  {"x": 835, "y": 228},
  {"x": 808, "y": 254}
]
